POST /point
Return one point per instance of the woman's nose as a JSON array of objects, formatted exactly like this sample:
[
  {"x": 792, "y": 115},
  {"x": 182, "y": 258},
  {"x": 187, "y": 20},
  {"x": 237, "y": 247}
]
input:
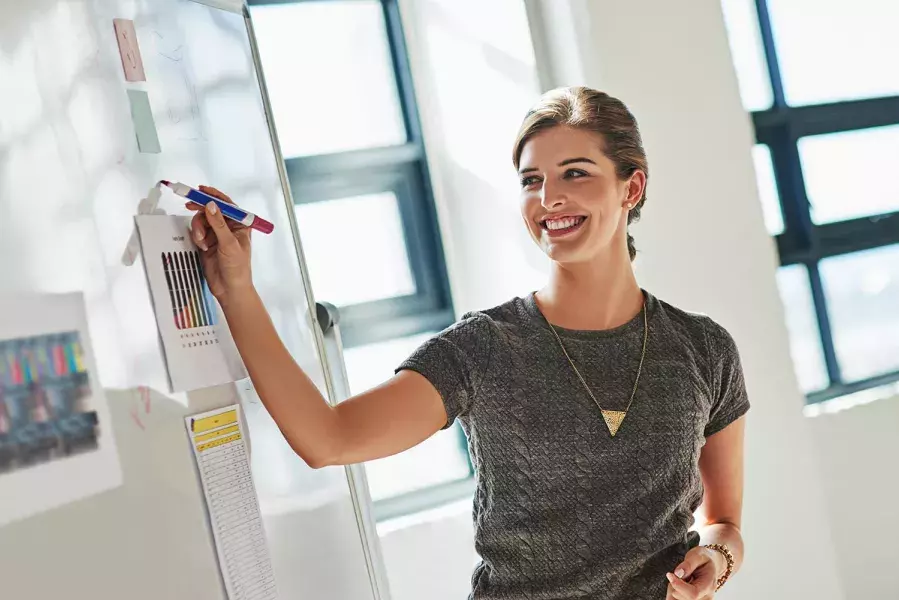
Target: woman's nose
[{"x": 551, "y": 196}]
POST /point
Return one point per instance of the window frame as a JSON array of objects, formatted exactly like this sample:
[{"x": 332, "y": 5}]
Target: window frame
[
  {"x": 802, "y": 241},
  {"x": 429, "y": 308},
  {"x": 403, "y": 170},
  {"x": 431, "y": 496}
]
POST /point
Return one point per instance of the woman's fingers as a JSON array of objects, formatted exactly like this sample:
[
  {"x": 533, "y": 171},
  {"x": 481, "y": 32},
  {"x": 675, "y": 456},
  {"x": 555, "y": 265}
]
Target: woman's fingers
[
  {"x": 202, "y": 224},
  {"x": 233, "y": 225},
  {"x": 224, "y": 235},
  {"x": 678, "y": 589},
  {"x": 199, "y": 230}
]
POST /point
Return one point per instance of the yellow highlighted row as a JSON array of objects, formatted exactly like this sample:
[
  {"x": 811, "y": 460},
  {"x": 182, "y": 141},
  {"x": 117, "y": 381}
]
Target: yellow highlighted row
[
  {"x": 219, "y": 420},
  {"x": 214, "y": 434},
  {"x": 218, "y": 442}
]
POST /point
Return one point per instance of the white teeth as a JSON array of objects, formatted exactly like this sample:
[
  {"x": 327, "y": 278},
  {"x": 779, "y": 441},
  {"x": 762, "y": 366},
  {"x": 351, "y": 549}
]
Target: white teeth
[{"x": 565, "y": 223}]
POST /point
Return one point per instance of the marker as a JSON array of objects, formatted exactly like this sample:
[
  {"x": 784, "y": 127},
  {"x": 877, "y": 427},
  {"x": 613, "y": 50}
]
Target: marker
[{"x": 229, "y": 210}]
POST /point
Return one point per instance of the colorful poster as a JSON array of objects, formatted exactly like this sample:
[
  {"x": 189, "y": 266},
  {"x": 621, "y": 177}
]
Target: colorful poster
[
  {"x": 197, "y": 344},
  {"x": 56, "y": 445}
]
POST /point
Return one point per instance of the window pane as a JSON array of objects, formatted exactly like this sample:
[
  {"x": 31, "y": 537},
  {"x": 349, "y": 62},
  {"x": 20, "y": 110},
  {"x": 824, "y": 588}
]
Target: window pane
[
  {"x": 748, "y": 55},
  {"x": 802, "y": 325},
  {"x": 764, "y": 173},
  {"x": 831, "y": 51},
  {"x": 439, "y": 459},
  {"x": 862, "y": 292},
  {"x": 355, "y": 249},
  {"x": 330, "y": 76},
  {"x": 835, "y": 167}
]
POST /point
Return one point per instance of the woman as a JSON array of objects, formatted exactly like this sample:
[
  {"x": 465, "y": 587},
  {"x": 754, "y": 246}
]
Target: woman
[{"x": 596, "y": 413}]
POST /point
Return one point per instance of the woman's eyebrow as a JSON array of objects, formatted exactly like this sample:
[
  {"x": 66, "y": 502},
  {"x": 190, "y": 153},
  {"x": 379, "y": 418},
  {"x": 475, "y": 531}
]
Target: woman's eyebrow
[{"x": 567, "y": 161}]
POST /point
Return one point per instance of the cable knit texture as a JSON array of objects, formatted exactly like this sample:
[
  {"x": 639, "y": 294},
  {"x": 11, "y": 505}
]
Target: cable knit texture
[{"x": 562, "y": 509}]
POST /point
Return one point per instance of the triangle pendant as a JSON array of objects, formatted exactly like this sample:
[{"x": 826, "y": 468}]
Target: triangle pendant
[{"x": 613, "y": 419}]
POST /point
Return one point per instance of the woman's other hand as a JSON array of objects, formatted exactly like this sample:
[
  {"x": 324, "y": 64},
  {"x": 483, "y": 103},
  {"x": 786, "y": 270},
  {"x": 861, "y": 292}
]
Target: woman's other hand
[
  {"x": 224, "y": 248},
  {"x": 697, "y": 576}
]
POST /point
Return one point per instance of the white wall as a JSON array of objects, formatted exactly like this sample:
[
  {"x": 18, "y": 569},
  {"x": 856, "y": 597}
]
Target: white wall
[
  {"x": 430, "y": 555},
  {"x": 703, "y": 246},
  {"x": 858, "y": 449}
]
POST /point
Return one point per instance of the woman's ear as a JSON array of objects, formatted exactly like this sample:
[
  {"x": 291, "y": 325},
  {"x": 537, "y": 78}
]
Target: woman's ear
[{"x": 636, "y": 185}]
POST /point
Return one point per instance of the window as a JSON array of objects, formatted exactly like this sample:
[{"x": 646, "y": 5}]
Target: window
[
  {"x": 821, "y": 85},
  {"x": 430, "y": 473},
  {"x": 343, "y": 104}
]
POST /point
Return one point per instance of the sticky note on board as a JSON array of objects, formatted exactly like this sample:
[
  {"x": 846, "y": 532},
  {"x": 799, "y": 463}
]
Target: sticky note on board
[
  {"x": 144, "y": 125},
  {"x": 129, "y": 50}
]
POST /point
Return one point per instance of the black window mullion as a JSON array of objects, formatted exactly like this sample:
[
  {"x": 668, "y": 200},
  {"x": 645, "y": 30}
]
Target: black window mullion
[
  {"x": 798, "y": 226},
  {"x": 324, "y": 166},
  {"x": 424, "y": 223},
  {"x": 422, "y": 238},
  {"x": 843, "y": 389},
  {"x": 824, "y": 329},
  {"x": 834, "y": 117},
  {"x": 400, "y": 58},
  {"x": 767, "y": 35}
]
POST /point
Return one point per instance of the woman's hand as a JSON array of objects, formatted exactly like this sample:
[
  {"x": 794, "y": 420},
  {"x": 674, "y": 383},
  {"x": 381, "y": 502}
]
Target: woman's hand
[
  {"x": 224, "y": 246},
  {"x": 697, "y": 576}
]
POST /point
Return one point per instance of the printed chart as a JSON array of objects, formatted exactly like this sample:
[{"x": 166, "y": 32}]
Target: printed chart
[
  {"x": 192, "y": 304},
  {"x": 198, "y": 348}
]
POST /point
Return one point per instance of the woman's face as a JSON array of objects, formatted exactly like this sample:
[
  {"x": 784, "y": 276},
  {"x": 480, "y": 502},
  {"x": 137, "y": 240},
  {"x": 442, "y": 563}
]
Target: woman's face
[{"x": 572, "y": 202}]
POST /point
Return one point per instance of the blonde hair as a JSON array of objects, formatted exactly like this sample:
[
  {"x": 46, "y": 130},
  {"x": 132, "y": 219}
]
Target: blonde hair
[{"x": 591, "y": 110}]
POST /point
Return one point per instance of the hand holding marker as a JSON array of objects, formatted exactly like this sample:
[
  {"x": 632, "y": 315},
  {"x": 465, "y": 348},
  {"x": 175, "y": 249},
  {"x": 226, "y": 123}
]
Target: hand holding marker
[
  {"x": 229, "y": 210},
  {"x": 225, "y": 248}
]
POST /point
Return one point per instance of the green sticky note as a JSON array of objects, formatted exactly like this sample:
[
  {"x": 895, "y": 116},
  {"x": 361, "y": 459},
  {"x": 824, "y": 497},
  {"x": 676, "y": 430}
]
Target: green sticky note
[{"x": 144, "y": 125}]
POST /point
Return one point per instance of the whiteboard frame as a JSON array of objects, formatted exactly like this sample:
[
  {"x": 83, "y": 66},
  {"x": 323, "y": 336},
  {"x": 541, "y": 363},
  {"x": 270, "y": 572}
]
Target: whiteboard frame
[{"x": 234, "y": 6}]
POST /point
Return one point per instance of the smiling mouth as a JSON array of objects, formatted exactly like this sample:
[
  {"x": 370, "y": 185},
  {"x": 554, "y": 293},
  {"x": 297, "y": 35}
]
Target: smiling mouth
[{"x": 563, "y": 226}]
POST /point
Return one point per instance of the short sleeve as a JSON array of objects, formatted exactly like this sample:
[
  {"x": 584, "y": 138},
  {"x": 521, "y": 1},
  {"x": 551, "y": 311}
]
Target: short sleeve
[
  {"x": 455, "y": 361},
  {"x": 730, "y": 400}
]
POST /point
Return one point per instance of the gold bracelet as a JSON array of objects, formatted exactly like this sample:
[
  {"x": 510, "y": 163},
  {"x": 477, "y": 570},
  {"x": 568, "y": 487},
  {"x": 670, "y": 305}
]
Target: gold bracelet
[{"x": 724, "y": 551}]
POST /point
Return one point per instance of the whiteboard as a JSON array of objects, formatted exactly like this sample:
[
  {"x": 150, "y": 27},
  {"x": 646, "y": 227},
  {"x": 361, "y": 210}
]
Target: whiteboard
[{"x": 71, "y": 177}]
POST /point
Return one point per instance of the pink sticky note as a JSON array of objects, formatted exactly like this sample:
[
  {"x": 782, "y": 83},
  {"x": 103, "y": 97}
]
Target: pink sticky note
[{"x": 129, "y": 50}]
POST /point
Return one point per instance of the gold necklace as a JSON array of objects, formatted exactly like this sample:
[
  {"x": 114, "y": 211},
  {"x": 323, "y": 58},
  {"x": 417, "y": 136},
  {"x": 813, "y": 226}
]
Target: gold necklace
[{"x": 613, "y": 418}]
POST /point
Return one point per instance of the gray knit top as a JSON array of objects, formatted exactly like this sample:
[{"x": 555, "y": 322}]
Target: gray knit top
[{"x": 563, "y": 509}]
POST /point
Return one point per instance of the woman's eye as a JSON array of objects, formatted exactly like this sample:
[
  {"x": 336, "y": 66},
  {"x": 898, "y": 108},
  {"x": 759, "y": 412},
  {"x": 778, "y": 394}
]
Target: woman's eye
[
  {"x": 575, "y": 174},
  {"x": 529, "y": 181}
]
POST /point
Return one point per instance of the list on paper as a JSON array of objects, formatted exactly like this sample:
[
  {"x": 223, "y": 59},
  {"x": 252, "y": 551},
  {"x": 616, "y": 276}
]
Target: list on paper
[{"x": 219, "y": 442}]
